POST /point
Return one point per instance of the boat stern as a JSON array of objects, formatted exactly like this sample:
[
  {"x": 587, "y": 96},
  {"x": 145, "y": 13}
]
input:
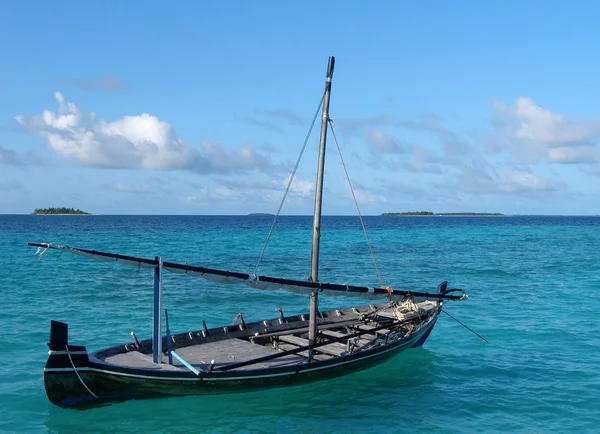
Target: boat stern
[{"x": 66, "y": 368}]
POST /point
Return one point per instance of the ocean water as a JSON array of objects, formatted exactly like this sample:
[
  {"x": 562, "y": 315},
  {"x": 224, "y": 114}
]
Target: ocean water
[{"x": 533, "y": 282}]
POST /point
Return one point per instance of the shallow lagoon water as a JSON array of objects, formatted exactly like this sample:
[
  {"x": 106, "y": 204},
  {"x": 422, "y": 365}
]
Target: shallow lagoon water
[{"x": 533, "y": 283}]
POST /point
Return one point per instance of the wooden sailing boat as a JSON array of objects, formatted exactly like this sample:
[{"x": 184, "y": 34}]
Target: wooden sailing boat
[{"x": 246, "y": 356}]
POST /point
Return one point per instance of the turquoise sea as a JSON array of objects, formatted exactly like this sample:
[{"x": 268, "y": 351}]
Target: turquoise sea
[{"x": 533, "y": 282}]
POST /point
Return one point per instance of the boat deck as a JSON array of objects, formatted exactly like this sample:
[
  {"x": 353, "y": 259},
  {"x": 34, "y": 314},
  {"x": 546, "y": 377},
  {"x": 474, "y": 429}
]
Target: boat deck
[
  {"x": 135, "y": 359},
  {"x": 224, "y": 353},
  {"x": 232, "y": 351}
]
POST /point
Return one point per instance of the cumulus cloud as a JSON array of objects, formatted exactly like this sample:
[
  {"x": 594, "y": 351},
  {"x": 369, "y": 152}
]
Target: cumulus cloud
[
  {"x": 219, "y": 193},
  {"x": 243, "y": 158},
  {"x": 131, "y": 188},
  {"x": 365, "y": 196},
  {"x": 521, "y": 180},
  {"x": 538, "y": 124},
  {"x": 383, "y": 142},
  {"x": 222, "y": 193},
  {"x": 300, "y": 187},
  {"x": 256, "y": 191},
  {"x": 531, "y": 133},
  {"x": 489, "y": 180},
  {"x": 381, "y": 132},
  {"x": 133, "y": 142}
]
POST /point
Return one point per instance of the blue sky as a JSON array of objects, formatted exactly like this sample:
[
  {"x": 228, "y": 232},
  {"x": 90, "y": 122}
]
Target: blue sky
[{"x": 202, "y": 107}]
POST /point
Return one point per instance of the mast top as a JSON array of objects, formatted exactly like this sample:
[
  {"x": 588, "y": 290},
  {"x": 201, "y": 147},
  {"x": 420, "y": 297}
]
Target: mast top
[{"x": 330, "y": 66}]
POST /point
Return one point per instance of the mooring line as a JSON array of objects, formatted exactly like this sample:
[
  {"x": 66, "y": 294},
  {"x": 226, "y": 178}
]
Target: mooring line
[
  {"x": 466, "y": 326},
  {"x": 79, "y": 376}
]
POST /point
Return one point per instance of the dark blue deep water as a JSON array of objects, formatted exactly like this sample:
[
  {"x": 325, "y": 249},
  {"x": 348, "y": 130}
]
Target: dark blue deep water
[{"x": 533, "y": 282}]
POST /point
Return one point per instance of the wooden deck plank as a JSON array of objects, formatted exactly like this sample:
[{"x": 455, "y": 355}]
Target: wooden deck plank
[
  {"x": 223, "y": 352},
  {"x": 233, "y": 351},
  {"x": 287, "y": 347},
  {"x": 368, "y": 328},
  {"x": 325, "y": 326},
  {"x": 333, "y": 334},
  {"x": 364, "y": 337},
  {"x": 331, "y": 349},
  {"x": 135, "y": 359}
]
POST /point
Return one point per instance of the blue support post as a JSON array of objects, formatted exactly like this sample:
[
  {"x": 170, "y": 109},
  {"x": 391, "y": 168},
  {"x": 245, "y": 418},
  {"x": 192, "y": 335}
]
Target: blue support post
[{"x": 157, "y": 320}]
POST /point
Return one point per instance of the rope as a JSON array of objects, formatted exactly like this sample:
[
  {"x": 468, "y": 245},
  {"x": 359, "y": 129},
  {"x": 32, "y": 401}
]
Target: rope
[
  {"x": 467, "y": 327},
  {"x": 366, "y": 315},
  {"x": 357, "y": 208},
  {"x": 289, "y": 183},
  {"x": 77, "y": 373}
]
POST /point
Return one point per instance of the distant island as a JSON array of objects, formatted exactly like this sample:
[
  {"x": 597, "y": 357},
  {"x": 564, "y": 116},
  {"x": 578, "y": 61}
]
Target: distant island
[
  {"x": 57, "y": 211},
  {"x": 455, "y": 214}
]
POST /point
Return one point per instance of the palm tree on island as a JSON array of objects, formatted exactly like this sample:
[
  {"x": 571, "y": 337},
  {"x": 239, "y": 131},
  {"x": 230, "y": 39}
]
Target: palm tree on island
[
  {"x": 455, "y": 214},
  {"x": 59, "y": 211}
]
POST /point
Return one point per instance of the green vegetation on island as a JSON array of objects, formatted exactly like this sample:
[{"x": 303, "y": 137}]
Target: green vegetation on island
[
  {"x": 413, "y": 213},
  {"x": 61, "y": 210},
  {"x": 451, "y": 214}
]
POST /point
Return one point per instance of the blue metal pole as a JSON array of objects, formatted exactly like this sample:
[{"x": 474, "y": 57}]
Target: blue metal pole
[{"x": 157, "y": 320}]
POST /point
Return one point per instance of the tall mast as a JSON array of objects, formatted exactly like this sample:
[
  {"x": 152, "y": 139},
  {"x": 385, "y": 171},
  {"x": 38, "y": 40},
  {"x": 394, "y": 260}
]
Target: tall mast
[{"x": 314, "y": 268}]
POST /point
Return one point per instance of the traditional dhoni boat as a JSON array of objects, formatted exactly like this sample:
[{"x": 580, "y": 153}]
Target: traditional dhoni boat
[{"x": 243, "y": 356}]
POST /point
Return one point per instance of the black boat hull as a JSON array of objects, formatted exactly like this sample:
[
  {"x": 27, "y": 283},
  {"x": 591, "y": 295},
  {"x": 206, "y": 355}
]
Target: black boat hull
[{"x": 73, "y": 379}]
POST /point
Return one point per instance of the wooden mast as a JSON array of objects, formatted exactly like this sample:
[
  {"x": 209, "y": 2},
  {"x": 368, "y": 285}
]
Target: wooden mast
[{"x": 314, "y": 270}]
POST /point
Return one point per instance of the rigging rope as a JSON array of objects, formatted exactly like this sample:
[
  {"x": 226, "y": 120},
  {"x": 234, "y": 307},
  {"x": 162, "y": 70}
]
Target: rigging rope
[
  {"x": 358, "y": 210},
  {"x": 289, "y": 183}
]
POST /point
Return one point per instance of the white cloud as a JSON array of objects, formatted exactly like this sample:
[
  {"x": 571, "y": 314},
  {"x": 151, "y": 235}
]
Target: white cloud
[
  {"x": 487, "y": 180},
  {"x": 243, "y": 158},
  {"x": 538, "y": 124},
  {"x": 531, "y": 133},
  {"x": 520, "y": 181},
  {"x": 133, "y": 142},
  {"x": 574, "y": 155},
  {"x": 225, "y": 193},
  {"x": 365, "y": 197},
  {"x": 212, "y": 194},
  {"x": 300, "y": 187},
  {"x": 258, "y": 192},
  {"x": 383, "y": 142},
  {"x": 131, "y": 188}
]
